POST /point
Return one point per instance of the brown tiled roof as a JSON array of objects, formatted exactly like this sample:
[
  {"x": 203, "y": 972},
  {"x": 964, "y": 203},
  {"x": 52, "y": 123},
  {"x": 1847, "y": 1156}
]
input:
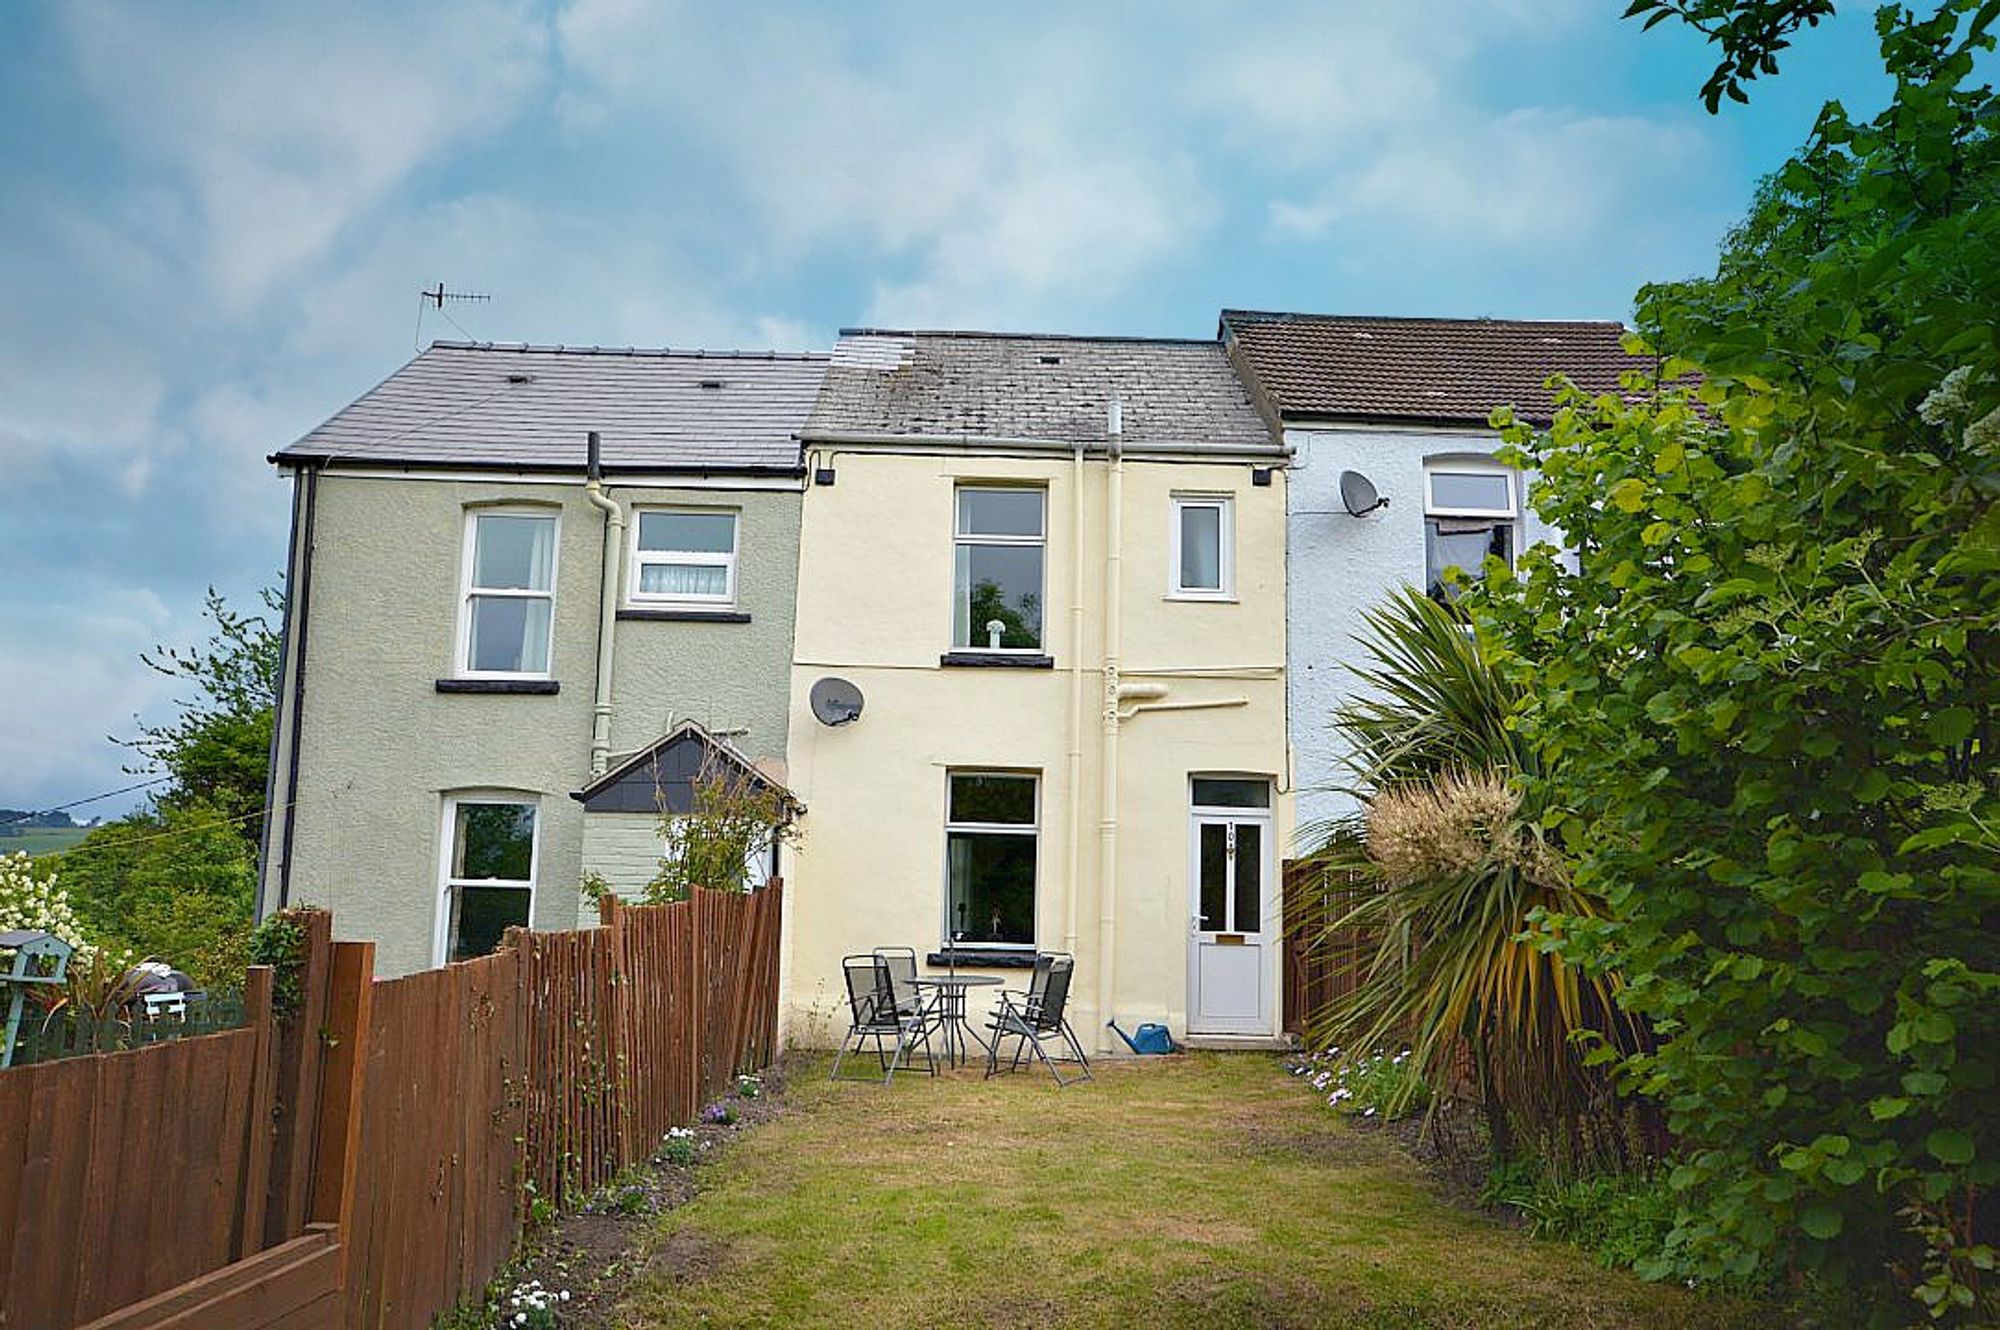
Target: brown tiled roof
[
  {"x": 1419, "y": 371},
  {"x": 979, "y": 386}
]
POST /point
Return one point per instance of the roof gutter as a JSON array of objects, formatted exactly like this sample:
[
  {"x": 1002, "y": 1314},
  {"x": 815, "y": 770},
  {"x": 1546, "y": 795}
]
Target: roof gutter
[
  {"x": 1031, "y": 443},
  {"x": 323, "y": 460}
]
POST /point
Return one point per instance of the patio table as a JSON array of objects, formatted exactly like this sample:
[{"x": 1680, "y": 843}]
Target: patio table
[{"x": 950, "y": 1005}]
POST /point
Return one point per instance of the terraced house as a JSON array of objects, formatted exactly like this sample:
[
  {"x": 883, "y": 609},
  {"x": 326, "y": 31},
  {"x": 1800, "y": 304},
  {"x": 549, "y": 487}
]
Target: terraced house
[
  {"x": 504, "y": 651},
  {"x": 1393, "y": 478},
  {"x": 1052, "y": 570}
]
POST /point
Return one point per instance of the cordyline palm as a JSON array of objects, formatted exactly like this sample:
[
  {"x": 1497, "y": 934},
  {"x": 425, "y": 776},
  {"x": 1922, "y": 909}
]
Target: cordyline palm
[{"x": 1437, "y": 875}]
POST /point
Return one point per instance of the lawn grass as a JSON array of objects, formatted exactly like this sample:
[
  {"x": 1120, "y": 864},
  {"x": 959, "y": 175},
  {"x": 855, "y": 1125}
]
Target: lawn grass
[
  {"x": 42, "y": 840},
  {"x": 1204, "y": 1190}
]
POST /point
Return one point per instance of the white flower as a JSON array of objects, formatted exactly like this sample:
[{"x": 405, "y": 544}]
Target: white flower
[
  {"x": 565, "y": 1295},
  {"x": 1948, "y": 398}
]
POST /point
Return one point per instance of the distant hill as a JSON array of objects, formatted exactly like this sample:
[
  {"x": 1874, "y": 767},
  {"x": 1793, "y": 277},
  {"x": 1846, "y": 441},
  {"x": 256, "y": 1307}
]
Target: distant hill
[{"x": 17, "y": 821}]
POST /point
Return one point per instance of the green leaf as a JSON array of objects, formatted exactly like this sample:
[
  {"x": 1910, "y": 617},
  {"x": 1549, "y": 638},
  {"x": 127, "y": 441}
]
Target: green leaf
[
  {"x": 1820, "y": 1220},
  {"x": 1950, "y": 1145},
  {"x": 1628, "y": 496},
  {"x": 1888, "y": 1106}
]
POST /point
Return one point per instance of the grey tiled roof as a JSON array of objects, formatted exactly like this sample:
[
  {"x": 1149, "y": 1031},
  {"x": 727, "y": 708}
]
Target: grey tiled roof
[
  {"x": 479, "y": 404},
  {"x": 998, "y": 386},
  {"x": 1420, "y": 370}
]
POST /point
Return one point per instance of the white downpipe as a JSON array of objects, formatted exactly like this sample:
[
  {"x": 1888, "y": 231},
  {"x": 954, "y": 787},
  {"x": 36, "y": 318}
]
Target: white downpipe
[
  {"x": 607, "y": 609},
  {"x": 1074, "y": 833},
  {"x": 1107, "y": 886}
]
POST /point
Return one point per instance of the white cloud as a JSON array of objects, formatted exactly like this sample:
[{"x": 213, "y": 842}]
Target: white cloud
[{"x": 285, "y": 129}]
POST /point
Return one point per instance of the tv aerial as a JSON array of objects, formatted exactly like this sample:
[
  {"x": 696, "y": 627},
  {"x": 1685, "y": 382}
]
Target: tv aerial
[
  {"x": 436, "y": 298},
  {"x": 835, "y": 701}
]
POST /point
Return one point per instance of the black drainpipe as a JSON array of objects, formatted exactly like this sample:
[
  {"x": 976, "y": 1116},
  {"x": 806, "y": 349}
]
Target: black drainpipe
[{"x": 300, "y": 605}]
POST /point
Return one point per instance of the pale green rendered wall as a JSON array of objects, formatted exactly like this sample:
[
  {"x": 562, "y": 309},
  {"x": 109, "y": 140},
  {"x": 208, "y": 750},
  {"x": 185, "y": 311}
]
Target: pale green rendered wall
[
  {"x": 381, "y": 746},
  {"x": 624, "y": 849}
]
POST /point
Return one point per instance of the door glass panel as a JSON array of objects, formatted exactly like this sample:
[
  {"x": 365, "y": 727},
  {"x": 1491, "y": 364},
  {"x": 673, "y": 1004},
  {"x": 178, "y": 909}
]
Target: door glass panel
[
  {"x": 1214, "y": 869},
  {"x": 1211, "y": 792},
  {"x": 1249, "y": 875}
]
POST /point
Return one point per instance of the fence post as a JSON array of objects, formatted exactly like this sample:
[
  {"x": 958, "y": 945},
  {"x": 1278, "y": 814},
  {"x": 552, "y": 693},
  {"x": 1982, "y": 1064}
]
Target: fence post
[
  {"x": 337, "y": 1147},
  {"x": 248, "y": 1238},
  {"x": 299, "y": 1053},
  {"x": 617, "y": 1029}
]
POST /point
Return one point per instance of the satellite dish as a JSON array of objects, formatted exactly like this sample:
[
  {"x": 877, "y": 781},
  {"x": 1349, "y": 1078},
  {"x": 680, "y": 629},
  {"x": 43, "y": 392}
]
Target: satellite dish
[
  {"x": 835, "y": 701},
  {"x": 1358, "y": 496}
]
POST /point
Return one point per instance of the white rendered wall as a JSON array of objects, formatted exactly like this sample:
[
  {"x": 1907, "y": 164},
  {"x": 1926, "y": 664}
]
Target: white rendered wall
[{"x": 1340, "y": 566}]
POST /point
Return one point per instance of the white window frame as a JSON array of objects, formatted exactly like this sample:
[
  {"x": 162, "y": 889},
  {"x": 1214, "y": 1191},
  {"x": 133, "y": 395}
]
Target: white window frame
[
  {"x": 706, "y": 558},
  {"x": 1032, "y": 830},
  {"x": 1471, "y": 466},
  {"x": 447, "y": 884},
  {"x": 1225, "y": 558},
  {"x": 1041, "y": 542},
  {"x": 468, "y": 563}
]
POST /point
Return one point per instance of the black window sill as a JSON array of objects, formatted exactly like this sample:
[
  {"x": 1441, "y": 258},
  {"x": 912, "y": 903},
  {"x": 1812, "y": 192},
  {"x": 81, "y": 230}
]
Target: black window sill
[
  {"x": 686, "y": 616},
  {"x": 514, "y": 687},
  {"x": 993, "y": 660},
  {"x": 983, "y": 960}
]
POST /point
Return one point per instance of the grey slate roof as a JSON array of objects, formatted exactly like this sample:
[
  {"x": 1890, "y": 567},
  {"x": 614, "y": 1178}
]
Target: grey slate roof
[
  {"x": 1445, "y": 371},
  {"x": 983, "y": 386},
  {"x": 480, "y": 404}
]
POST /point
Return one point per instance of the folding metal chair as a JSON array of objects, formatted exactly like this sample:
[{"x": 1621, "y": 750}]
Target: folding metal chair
[
  {"x": 1036, "y": 1016},
  {"x": 874, "y": 1014}
]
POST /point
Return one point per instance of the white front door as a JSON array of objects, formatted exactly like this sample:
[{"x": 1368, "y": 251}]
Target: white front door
[{"x": 1232, "y": 931}]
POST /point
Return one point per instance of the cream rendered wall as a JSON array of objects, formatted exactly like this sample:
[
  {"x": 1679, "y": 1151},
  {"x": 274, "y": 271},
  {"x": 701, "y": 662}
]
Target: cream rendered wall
[
  {"x": 380, "y": 746},
  {"x": 624, "y": 848},
  {"x": 874, "y": 606}
]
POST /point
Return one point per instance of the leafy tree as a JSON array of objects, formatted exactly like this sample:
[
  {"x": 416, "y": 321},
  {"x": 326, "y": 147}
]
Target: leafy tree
[
  {"x": 176, "y": 883},
  {"x": 734, "y": 820},
  {"x": 1750, "y": 33},
  {"x": 218, "y": 749},
  {"x": 1766, "y": 699}
]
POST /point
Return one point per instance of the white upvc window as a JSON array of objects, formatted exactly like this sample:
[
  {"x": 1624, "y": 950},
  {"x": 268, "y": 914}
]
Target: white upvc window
[
  {"x": 491, "y": 845},
  {"x": 1202, "y": 547},
  {"x": 507, "y": 597},
  {"x": 1471, "y": 512},
  {"x": 684, "y": 556},
  {"x": 998, "y": 556},
  {"x": 991, "y": 850}
]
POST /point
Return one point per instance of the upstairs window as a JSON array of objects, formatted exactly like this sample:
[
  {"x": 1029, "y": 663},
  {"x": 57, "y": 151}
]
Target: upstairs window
[
  {"x": 489, "y": 873},
  {"x": 509, "y": 596},
  {"x": 1202, "y": 541},
  {"x": 684, "y": 556},
  {"x": 990, "y": 851},
  {"x": 1000, "y": 543},
  {"x": 1469, "y": 514}
]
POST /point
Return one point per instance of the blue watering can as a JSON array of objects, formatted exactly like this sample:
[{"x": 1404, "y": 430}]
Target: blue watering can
[{"x": 1148, "y": 1038}]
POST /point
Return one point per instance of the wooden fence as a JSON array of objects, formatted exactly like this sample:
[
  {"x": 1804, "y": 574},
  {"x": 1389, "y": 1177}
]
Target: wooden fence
[
  {"x": 370, "y": 1158},
  {"x": 1320, "y": 964}
]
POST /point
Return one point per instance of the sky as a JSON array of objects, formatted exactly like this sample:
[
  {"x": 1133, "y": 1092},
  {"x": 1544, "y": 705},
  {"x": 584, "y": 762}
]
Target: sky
[{"x": 215, "y": 220}]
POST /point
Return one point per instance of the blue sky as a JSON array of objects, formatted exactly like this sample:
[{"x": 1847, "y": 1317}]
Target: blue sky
[{"x": 215, "y": 219}]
